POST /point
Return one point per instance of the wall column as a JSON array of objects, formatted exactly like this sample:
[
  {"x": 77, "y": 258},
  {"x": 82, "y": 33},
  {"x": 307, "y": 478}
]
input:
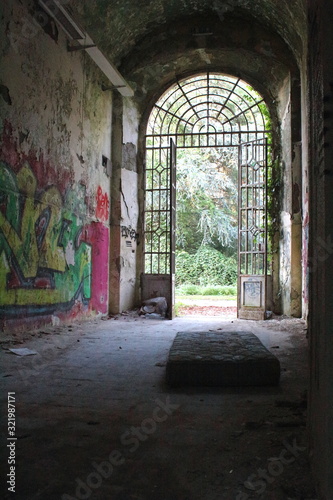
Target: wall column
[
  {"x": 291, "y": 216},
  {"x": 321, "y": 244},
  {"x": 125, "y": 238},
  {"x": 115, "y": 217}
]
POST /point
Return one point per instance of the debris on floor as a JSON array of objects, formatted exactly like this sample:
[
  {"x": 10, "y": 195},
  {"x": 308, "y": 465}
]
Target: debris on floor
[
  {"x": 155, "y": 308},
  {"x": 22, "y": 351},
  {"x": 100, "y": 421}
]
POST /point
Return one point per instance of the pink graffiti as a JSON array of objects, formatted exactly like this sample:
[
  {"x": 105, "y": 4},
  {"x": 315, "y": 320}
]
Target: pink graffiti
[
  {"x": 97, "y": 235},
  {"x": 102, "y": 209}
]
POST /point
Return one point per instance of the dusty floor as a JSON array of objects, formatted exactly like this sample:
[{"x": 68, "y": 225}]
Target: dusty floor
[
  {"x": 207, "y": 307},
  {"x": 95, "y": 419}
]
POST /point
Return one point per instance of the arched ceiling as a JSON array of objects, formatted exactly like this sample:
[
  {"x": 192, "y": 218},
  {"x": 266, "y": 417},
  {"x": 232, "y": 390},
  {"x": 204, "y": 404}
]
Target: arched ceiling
[
  {"x": 119, "y": 25},
  {"x": 154, "y": 42},
  {"x": 236, "y": 46}
]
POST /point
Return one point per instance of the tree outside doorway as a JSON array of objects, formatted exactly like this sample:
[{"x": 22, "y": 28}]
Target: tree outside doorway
[{"x": 206, "y": 231}]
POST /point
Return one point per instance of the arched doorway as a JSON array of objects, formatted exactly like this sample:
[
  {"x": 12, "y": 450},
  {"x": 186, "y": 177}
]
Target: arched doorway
[{"x": 208, "y": 110}]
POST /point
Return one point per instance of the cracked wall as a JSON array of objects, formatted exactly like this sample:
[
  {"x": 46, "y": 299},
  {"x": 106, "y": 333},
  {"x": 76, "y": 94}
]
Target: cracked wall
[
  {"x": 125, "y": 232},
  {"x": 55, "y": 125},
  {"x": 290, "y": 289}
]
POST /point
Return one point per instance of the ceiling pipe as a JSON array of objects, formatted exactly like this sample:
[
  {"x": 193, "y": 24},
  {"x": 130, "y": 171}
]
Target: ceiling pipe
[{"x": 57, "y": 10}]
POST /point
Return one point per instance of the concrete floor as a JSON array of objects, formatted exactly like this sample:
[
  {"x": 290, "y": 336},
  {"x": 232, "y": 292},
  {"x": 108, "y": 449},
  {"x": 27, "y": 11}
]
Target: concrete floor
[{"x": 95, "y": 419}]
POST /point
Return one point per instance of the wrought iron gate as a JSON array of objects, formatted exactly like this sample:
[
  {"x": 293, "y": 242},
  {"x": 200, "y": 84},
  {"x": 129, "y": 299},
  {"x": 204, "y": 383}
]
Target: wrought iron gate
[
  {"x": 173, "y": 161},
  {"x": 160, "y": 225},
  {"x": 208, "y": 110},
  {"x": 252, "y": 230}
]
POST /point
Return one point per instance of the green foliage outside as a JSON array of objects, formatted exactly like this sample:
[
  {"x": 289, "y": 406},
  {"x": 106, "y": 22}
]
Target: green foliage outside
[
  {"x": 206, "y": 267},
  {"x": 207, "y": 199},
  {"x": 207, "y": 291},
  {"x": 206, "y": 238}
]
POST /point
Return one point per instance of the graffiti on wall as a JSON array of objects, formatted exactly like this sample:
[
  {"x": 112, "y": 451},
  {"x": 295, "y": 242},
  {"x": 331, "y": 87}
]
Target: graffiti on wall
[
  {"x": 102, "y": 208},
  {"x": 129, "y": 232},
  {"x": 47, "y": 254},
  {"x": 130, "y": 235}
]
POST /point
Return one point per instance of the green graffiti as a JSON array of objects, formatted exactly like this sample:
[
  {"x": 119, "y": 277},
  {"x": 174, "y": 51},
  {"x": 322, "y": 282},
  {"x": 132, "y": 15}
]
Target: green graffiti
[{"x": 40, "y": 242}]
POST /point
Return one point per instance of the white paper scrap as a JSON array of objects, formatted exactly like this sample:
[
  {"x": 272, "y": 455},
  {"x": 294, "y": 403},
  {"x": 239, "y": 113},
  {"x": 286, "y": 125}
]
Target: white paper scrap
[{"x": 23, "y": 351}]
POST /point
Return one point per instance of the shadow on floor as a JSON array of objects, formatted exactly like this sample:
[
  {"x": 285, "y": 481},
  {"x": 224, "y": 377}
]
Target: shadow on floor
[{"x": 95, "y": 418}]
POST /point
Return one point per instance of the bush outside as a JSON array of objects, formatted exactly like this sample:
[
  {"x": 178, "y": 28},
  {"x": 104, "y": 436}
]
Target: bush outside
[
  {"x": 206, "y": 268},
  {"x": 230, "y": 290}
]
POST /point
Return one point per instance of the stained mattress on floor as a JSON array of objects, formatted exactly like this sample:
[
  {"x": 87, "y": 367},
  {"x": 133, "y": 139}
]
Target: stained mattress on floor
[{"x": 220, "y": 359}]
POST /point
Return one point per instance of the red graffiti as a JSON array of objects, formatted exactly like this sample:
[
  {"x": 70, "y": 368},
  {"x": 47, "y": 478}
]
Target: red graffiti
[
  {"x": 12, "y": 153},
  {"x": 102, "y": 209}
]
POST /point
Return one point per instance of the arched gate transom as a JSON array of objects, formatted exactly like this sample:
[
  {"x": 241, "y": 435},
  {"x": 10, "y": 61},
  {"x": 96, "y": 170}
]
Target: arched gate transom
[{"x": 207, "y": 110}]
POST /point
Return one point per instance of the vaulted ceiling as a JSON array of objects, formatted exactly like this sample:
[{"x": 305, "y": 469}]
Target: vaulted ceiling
[
  {"x": 153, "y": 42},
  {"x": 119, "y": 25}
]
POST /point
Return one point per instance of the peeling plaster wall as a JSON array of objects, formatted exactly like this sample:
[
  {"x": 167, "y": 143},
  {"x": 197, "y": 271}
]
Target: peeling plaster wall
[
  {"x": 54, "y": 192},
  {"x": 285, "y": 194},
  {"x": 131, "y": 239},
  {"x": 131, "y": 123},
  {"x": 64, "y": 119},
  {"x": 295, "y": 298},
  {"x": 305, "y": 191},
  {"x": 291, "y": 204},
  {"x": 125, "y": 234}
]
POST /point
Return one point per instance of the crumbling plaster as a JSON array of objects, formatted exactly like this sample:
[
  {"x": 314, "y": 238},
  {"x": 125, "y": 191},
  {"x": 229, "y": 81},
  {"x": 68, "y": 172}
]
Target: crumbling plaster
[
  {"x": 290, "y": 288},
  {"x": 119, "y": 26},
  {"x": 55, "y": 92},
  {"x": 55, "y": 125},
  {"x": 252, "y": 53},
  {"x": 125, "y": 234}
]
